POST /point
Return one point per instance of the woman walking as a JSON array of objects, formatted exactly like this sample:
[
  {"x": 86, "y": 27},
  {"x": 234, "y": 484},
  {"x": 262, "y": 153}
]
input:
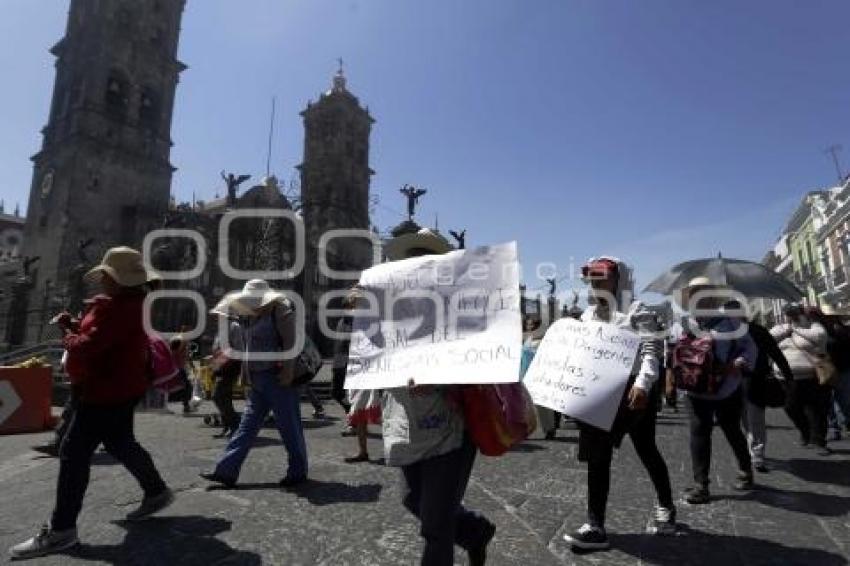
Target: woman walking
[
  {"x": 733, "y": 352},
  {"x": 611, "y": 284},
  {"x": 425, "y": 436},
  {"x": 271, "y": 330},
  {"x": 803, "y": 342},
  {"x": 107, "y": 357}
]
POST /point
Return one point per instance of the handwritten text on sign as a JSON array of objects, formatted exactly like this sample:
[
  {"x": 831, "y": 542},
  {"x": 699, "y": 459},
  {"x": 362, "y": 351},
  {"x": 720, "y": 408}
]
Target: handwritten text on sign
[
  {"x": 581, "y": 369},
  {"x": 438, "y": 319}
]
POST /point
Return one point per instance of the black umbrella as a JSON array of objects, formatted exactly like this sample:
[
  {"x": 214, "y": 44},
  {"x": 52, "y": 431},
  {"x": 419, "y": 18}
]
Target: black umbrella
[{"x": 747, "y": 277}]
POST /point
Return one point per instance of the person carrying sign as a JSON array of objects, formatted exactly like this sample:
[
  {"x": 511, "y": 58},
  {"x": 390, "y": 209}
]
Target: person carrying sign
[
  {"x": 425, "y": 436},
  {"x": 610, "y": 281}
]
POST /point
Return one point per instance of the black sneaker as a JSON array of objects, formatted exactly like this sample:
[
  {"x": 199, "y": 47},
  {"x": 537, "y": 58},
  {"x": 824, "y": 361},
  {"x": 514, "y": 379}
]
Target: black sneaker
[
  {"x": 744, "y": 482},
  {"x": 215, "y": 477},
  {"x": 292, "y": 482},
  {"x": 663, "y": 521},
  {"x": 761, "y": 468},
  {"x": 478, "y": 555},
  {"x": 151, "y": 505},
  {"x": 824, "y": 451},
  {"x": 698, "y": 495},
  {"x": 51, "y": 449},
  {"x": 588, "y": 537}
]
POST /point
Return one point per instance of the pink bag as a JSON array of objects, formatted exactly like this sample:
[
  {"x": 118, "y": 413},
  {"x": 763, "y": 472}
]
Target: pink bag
[{"x": 162, "y": 371}]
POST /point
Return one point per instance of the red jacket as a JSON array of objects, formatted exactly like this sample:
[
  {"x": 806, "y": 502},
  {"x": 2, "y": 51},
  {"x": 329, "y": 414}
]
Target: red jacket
[{"x": 108, "y": 355}]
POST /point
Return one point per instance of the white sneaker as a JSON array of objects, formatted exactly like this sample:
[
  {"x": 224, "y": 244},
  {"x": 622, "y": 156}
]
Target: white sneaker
[
  {"x": 47, "y": 541},
  {"x": 663, "y": 521}
]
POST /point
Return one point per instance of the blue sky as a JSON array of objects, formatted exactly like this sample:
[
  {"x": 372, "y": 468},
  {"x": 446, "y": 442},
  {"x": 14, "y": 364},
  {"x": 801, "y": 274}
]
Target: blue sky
[{"x": 658, "y": 130}]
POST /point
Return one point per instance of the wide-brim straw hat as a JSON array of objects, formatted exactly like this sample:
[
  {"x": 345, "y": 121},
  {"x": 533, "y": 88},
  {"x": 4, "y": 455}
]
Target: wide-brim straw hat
[
  {"x": 255, "y": 295},
  {"x": 122, "y": 264},
  {"x": 425, "y": 239}
]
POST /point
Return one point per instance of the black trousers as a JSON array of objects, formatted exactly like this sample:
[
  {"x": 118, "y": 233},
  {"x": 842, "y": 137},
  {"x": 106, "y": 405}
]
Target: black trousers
[
  {"x": 92, "y": 424},
  {"x": 727, "y": 412},
  {"x": 433, "y": 492},
  {"x": 338, "y": 389},
  {"x": 807, "y": 405},
  {"x": 596, "y": 447},
  {"x": 65, "y": 419},
  {"x": 184, "y": 395},
  {"x": 222, "y": 396}
]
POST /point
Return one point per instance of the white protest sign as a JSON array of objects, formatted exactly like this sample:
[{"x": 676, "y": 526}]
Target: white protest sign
[
  {"x": 581, "y": 369},
  {"x": 438, "y": 319}
]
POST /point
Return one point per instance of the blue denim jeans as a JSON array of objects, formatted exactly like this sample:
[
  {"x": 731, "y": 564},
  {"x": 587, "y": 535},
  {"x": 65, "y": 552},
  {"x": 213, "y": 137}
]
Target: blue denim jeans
[{"x": 266, "y": 394}]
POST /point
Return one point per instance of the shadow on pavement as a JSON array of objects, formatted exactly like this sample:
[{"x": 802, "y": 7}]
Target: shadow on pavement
[
  {"x": 313, "y": 424},
  {"x": 319, "y": 492},
  {"x": 565, "y": 439},
  {"x": 697, "y": 547},
  {"x": 528, "y": 447},
  {"x": 806, "y": 502},
  {"x": 187, "y": 541},
  {"x": 836, "y": 472}
]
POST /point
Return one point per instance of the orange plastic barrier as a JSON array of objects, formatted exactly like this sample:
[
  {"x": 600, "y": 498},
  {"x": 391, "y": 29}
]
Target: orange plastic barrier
[{"x": 25, "y": 396}]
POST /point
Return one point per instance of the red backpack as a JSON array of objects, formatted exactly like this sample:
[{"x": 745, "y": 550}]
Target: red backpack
[
  {"x": 694, "y": 367},
  {"x": 498, "y": 416}
]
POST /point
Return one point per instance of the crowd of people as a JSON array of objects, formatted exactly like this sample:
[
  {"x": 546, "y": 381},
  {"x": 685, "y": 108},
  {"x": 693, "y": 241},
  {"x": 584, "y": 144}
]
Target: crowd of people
[{"x": 802, "y": 365}]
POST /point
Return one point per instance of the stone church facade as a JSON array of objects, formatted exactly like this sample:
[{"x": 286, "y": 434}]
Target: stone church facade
[{"x": 103, "y": 175}]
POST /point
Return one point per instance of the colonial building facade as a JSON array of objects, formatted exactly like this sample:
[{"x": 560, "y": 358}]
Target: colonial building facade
[{"x": 814, "y": 251}]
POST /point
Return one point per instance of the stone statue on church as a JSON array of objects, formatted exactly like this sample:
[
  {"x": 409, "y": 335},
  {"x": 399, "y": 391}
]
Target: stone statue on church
[
  {"x": 412, "y": 194},
  {"x": 460, "y": 237},
  {"x": 233, "y": 181},
  {"x": 553, "y": 285}
]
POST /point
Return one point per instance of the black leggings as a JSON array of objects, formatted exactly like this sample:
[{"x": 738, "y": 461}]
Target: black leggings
[
  {"x": 338, "y": 389},
  {"x": 727, "y": 412},
  {"x": 807, "y": 406},
  {"x": 599, "y": 451}
]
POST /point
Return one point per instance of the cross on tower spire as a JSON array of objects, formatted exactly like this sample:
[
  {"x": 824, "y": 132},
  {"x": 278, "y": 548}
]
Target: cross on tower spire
[{"x": 339, "y": 78}]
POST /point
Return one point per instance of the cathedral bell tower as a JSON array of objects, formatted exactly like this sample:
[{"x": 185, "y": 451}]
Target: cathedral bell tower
[
  {"x": 335, "y": 177},
  {"x": 103, "y": 172}
]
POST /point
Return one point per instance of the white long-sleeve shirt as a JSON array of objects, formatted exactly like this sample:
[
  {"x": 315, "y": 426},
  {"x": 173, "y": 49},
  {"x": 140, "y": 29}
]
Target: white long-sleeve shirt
[{"x": 646, "y": 362}]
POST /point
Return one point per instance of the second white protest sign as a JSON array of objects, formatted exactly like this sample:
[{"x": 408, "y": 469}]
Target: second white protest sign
[{"x": 581, "y": 369}]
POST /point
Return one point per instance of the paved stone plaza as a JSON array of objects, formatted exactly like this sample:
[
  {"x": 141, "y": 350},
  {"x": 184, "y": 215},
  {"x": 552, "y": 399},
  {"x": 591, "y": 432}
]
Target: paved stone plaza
[{"x": 350, "y": 514}]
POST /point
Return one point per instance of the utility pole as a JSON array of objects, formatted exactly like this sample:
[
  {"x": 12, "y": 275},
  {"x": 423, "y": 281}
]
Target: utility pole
[
  {"x": 271, "y": 137},
  {"x": 833, "y": 151}
]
